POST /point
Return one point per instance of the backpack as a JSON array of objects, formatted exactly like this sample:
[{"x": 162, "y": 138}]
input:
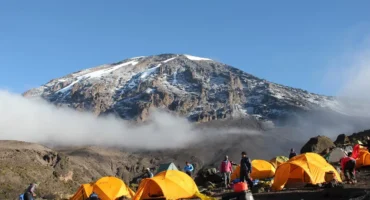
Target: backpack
[{"x": 21, "y": 197}]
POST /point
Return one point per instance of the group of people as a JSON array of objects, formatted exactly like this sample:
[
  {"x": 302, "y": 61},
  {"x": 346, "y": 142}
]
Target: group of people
[{"x": 226, "y": 170}]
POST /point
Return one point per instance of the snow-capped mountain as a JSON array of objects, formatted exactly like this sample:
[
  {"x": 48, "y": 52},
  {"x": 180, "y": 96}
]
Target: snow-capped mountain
[{"x": 198, "y": 88}]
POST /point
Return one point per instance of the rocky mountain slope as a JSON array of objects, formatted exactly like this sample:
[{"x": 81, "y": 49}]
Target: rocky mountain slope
[{"x": 198, "y": 88}]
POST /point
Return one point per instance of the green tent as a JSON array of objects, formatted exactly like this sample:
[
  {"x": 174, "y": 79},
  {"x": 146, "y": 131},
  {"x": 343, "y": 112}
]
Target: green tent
[{"x": 166, "y": 166}]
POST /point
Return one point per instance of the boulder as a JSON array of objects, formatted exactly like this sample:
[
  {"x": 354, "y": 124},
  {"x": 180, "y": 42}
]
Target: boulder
[
  {"x": 208, "y": 175},
  {"x": 318, "y": 144},
  {"x": 342, "y": 140}
]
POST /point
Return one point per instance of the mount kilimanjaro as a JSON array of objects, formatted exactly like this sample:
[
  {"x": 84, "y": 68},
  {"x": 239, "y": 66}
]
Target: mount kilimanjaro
[{"x": 198, "y": 88}]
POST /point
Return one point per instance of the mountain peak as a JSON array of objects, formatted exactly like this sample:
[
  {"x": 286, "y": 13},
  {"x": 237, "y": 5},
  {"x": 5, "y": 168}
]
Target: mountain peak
[{"x": 195, "y": 87}]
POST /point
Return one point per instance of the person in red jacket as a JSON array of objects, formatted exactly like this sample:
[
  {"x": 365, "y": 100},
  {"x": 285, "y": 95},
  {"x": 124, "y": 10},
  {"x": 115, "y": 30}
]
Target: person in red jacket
[
  {"x": 226, "y": 169},
  {"x": 348, "y": 165}
]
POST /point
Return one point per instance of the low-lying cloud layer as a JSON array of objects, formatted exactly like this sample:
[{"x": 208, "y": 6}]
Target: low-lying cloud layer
[{"x": 38, "y": 121}]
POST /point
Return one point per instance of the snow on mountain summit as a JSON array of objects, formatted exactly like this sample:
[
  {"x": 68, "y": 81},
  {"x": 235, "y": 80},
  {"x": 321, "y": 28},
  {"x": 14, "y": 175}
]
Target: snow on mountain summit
[{"x": 197, "y": 88}]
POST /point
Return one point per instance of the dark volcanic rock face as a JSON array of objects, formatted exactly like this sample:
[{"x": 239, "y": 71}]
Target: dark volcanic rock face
[{"x": 198, "y": 88}]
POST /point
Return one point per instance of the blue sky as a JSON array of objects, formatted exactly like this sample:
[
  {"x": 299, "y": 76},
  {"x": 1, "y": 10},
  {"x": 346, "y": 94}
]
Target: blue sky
[{"x": 288, "y": 42}]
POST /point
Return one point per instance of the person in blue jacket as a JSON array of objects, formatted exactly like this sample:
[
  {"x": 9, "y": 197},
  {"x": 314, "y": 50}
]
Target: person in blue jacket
[{"x": 188, "y": 168}]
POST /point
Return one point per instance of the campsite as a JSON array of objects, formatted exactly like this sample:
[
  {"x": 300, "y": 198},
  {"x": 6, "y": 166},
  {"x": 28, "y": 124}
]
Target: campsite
[
  {"x": 184, "y": 100},
  {"x": 307, "y": 174}
]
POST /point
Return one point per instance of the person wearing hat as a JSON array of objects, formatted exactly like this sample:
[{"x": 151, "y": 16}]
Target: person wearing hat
[{"x": 226, "y": 169}]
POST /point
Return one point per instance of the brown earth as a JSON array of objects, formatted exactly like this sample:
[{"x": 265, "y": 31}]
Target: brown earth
[{"x": 59, "y": 173}]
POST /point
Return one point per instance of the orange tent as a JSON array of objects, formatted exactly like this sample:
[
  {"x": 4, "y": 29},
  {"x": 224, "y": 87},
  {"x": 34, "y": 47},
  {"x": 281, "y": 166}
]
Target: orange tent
[
  {"x": 363, "y": 159},
  {"x": 83, "y": 192},
  {"x": 261, "y": 169},
  {"x": 306, "y": 168},
  {"x": 107, "y": 188},
  {"x": 236, "y": 173},
  {"x": 170, "y": 184}
]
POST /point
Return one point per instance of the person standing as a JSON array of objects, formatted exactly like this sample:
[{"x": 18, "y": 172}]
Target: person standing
[
  {"x": 226, "y": 169},
  {"x": 246, "y": 169},
  {"x": 149, "y": 173},
  {"x": 292, "y": 153},
  {"x": 188, "y": 168}
]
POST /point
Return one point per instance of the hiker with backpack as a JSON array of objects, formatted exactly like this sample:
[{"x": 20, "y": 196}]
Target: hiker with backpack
[
  {"x": 348, "y": 165},
  {"x": 246, "y": 169},
  {"x": 226, "y": 170},
  {"x": 188, "y": 168},
  {"x": 29, "y": 193},
  {"x": 292, "y": 153}
]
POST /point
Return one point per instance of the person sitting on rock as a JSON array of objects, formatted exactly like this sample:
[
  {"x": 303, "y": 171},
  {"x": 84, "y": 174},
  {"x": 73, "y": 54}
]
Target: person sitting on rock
[
  {"x": 226, "y": 169},
  {"x": 292, "y": 153},
  {"x": 30, "y": 192},
  {"x": 348, "y": 165},
  {"x": 188, "y": 168}
]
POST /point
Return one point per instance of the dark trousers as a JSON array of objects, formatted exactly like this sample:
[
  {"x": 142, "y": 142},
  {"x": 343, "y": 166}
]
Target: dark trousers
[
  {"x": 244, "y": 176},
  {"x": 28, "y": 196},
  {"x": 349, "y": 170},
  {"x": 188, "y": 173}
]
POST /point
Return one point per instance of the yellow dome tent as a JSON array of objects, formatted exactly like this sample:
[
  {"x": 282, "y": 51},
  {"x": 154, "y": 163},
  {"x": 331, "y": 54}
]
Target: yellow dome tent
[
  {"x": 107, "y": 188},
  {"x": 261, "y": 169},
  {"x": 307, "y": 168},
  {"x": 278, "y": 160},
  {"x": 83, "y": 192},
  {"x": 170, "y": 184}
]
